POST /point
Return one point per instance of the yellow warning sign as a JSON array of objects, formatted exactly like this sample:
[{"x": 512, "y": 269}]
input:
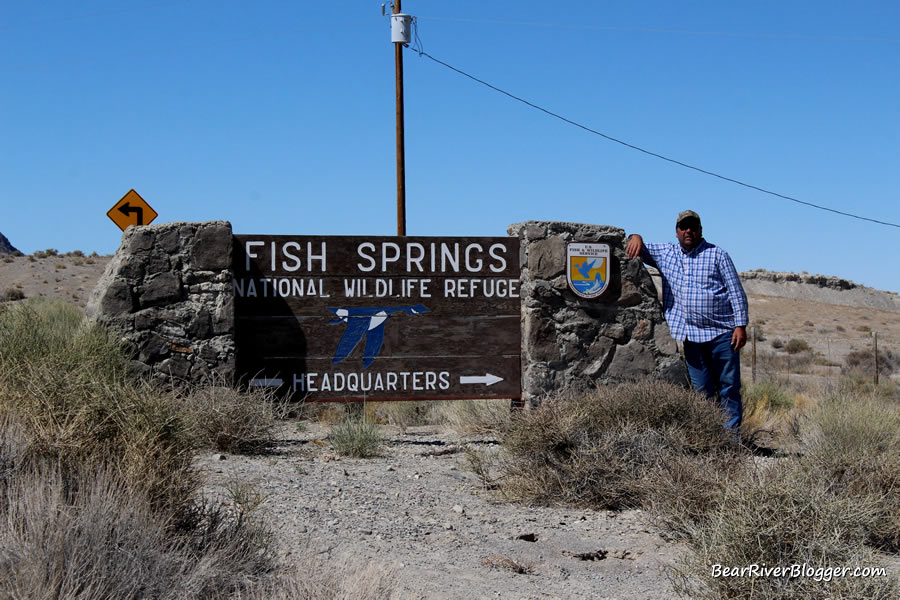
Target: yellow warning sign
[{"x": 131, "y": 210}]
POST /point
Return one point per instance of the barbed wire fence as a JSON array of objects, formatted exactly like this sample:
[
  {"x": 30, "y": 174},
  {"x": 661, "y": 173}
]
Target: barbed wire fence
[{"x": 872, "y": 355}]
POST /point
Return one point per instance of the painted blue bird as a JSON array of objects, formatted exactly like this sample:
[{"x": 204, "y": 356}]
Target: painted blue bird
[
  {"x": 585, "y": 268},
  {"x": 368, "y": 322}
]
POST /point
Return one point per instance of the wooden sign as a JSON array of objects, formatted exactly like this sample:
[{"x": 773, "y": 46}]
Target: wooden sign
[
  {"x": 379, "y": 318},
  {"x": 131, "y": 210}
]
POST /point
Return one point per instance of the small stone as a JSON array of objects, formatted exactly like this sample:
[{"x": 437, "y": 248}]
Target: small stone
[
  {"x": 219, "y": 457},
  {"x": 458, "y": 509},
  {"x": 448, "y": 526}
]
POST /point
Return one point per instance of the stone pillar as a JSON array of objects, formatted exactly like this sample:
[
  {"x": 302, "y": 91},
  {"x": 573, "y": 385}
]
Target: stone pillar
[
  {"x": 569, "y": 341},
  {"x": 168, "y": 291}
]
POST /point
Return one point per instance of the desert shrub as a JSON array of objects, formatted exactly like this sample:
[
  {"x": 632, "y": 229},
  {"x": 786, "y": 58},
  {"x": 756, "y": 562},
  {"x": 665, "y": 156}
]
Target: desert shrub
[
  {"x": 834, "y": 505},
  {"x": 316, "y": 578},
  {"x": 97, "y": 491},
  {"x": 862, "y": 362},
  {"x": 760, "y": 332},
  {"x": 778, "y": 517},
  {"x": 854, "y": 441},
  {"x": 840, "y": 328},
  {"x": 233, "y": 421},
  {"x": 768, "y": 412},
  {"x": 615, "y": 447},
  {"x": 355, "y": 437},
  {"x": 775, "y": 363},
  {"x": 766, "y": 395},
  {"x": 66, "y": 382},
  {"x": 796, "y": 346},
  {"x": 86, "y": 532},
  {"x": 51, "y": 252},
  {"x": 777, "y": 343},
  {"x": 12, "y": 294},
  {"x": 473, "y": 416},
  {"x": 403, "y": 414},
  {"x": 463, "y": 416}
]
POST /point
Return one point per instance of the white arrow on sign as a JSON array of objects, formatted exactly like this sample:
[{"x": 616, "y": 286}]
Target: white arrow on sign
[
  {"x": 486, "y": 379},
  {"x": 264, "y": 382}
]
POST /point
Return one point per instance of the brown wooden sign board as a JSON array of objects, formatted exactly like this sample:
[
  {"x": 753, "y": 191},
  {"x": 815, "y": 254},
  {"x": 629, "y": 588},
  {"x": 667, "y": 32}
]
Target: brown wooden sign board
[{"x": 345, "y": 318}]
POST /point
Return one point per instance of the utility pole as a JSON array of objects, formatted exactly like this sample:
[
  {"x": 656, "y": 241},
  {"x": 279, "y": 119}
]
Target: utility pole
[{"x": 400, "y": 37}]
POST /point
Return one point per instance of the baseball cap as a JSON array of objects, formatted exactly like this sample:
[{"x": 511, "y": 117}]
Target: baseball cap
[{"x": 687, "y": 214}]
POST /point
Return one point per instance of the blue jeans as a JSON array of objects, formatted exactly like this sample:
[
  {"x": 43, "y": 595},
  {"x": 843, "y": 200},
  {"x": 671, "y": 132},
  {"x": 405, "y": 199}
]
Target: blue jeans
[{"x": 715, "y": 370}]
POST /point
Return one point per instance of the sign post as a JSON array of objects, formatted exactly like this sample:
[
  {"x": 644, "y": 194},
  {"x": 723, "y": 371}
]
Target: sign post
[{"x": 378, "y": 318}]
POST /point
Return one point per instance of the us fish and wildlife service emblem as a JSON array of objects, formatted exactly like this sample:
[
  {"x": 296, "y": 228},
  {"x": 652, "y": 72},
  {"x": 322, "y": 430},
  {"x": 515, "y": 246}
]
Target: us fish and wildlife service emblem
[{"x": 587, "y": 268}]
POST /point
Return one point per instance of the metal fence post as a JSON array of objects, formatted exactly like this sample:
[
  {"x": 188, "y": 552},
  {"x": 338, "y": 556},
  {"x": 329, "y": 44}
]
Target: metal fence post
[{"x": 875, "y": 347}]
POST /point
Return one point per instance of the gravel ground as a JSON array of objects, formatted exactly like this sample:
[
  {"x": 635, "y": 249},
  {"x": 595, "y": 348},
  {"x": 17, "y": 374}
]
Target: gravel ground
[{"x": 420, "y": 513}]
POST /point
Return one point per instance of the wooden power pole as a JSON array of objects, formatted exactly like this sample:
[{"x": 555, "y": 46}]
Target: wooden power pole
[{"x": 399, "y": 40}]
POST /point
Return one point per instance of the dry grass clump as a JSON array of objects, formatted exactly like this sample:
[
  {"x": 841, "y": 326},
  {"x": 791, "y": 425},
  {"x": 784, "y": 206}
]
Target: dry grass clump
[
  {"x": 462, "y": 416},
  {"x": 774, "y": 363},
  {"x": 64, "y": 381},
  {"x": 861, "y": 363},
  {"x": 770, "y": 411},
  {"x": 319, "y": 579},
  {"x": 855, "y": 443},
  {"x": 85, "y": 532},
  {"x": 474, "y": 416},
  {"x": 403, "y": 414},
  {"x": 12, "y": 294},
  {"x": 796, "y": 346},
  {"x": 618, "y": 447},
  {"x": 231, "y": 420},
  {"x": 356, "y": 437},
  {"x": 834, "y": 505},
  {"x": 781, "y": 517},
  {"x": 97, "y": 492}
]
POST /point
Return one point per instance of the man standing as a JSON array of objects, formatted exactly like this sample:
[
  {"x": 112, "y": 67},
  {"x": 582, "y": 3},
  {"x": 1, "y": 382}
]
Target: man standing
[{"x": 705, "y": 306}]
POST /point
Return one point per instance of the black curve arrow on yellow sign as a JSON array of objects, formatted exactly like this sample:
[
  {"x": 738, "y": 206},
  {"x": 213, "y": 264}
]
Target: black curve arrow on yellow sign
[{"x": 126, "y": 209}]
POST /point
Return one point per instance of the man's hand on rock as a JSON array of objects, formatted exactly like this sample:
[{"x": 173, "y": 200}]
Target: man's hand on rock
[{"x": 635, "y": 246}]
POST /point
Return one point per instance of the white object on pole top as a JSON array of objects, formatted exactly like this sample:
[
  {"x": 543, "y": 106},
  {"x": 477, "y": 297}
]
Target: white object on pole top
[{"x": 400, "y": 28}]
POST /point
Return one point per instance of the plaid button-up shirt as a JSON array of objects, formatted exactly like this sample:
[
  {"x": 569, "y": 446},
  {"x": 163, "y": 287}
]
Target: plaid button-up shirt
[{"x": 702, "y": 294}]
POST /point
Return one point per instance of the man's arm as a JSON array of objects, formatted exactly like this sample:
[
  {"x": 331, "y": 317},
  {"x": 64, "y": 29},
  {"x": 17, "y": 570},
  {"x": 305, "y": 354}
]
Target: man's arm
[
  {"x": 648, "y": 253},
  {"x": 635, "y": 246},
  {"x": 738, "y": 301}
]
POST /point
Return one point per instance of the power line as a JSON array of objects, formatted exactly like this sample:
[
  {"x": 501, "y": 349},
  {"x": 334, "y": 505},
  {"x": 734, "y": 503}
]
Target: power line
[
  {"x": 782, "y": 36},
  {"x": 654, "y": 154}
]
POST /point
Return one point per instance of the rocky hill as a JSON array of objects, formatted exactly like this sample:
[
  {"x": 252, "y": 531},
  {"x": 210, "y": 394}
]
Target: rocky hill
[
  {"x": 817, "y": 288},
  {"x": 5, "y": 246}
]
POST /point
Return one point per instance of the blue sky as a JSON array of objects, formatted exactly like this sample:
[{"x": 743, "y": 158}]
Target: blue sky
[{"x": 279, "y": 117}]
